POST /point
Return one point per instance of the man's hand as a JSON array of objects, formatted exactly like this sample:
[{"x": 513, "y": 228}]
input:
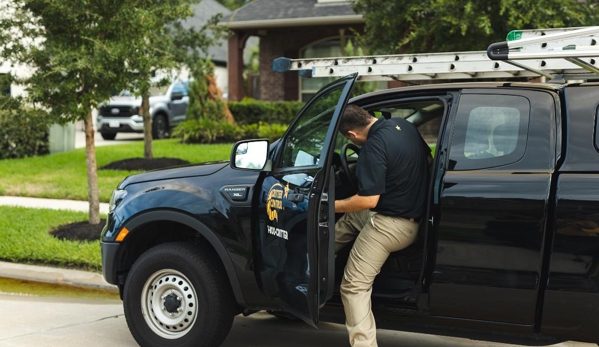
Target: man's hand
[{"x": 356, "y": 203}]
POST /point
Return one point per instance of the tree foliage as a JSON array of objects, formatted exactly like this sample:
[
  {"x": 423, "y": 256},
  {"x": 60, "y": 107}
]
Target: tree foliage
[
  {"x": 80, "y": 51},
  {"x": 76, "y": 52},
  {"x": 205, "y": 99},
  {"x": 233, "y": 4},
  {"x": 407, "y": 26},
  {"x": 168, "y": 45}
]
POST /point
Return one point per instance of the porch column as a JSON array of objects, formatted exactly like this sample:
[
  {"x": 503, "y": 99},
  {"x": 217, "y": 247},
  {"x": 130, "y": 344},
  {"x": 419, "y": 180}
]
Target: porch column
[{"x": 235, "y": 65}]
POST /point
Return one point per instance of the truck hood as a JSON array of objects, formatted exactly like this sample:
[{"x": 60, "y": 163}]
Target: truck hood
[
  {"x": 204, "y": 169},
  {"x": 132, "y": 101}
]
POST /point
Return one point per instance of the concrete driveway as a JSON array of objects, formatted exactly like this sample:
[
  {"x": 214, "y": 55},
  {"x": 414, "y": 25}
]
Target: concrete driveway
[
  {"x": 28, "y": 321},
  {"x": 120, "y": 137}
]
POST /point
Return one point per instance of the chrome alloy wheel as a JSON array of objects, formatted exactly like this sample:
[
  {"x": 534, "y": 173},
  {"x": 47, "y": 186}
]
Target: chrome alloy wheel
[{"x": 169, "y": 304}]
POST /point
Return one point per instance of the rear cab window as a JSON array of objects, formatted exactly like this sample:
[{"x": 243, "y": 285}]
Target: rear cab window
[{"x": 489, "y": 131}]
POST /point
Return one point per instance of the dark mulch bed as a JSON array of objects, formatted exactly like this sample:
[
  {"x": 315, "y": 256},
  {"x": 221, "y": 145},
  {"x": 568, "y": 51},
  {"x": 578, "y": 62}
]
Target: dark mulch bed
[
  {"x": 80, "y": 231},
  {"x": 136, "y": 164}
]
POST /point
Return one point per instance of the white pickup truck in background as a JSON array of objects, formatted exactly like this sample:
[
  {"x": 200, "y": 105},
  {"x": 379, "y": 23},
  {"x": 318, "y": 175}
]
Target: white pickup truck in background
[{"x": 122, "y": 113}]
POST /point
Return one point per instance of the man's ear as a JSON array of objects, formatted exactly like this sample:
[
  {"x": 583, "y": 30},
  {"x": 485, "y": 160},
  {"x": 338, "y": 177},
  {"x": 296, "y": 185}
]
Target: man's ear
[{"x": 352, "y": 134}]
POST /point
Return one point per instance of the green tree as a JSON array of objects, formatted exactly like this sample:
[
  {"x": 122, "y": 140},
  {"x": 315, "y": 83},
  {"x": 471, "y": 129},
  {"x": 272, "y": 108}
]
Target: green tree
[
  {"x": 168, "y": 46},
  {"x": 77, "y": 57},
  {"x": 205, "y": 99},
  {"x": 79, "y": 52},
  {"x": 407, "y": 26},
  {"x": 233, "y": 4}
]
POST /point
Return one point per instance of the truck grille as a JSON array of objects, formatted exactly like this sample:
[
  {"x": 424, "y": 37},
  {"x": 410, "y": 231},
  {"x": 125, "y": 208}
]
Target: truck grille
[{"x": 123, "y": 111}]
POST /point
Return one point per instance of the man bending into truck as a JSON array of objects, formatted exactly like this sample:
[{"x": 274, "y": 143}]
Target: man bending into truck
[{"x": 384, "y": 215}]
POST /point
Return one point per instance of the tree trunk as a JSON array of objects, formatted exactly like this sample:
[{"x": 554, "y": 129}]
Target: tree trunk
[
  {"x": 145, "y": 106},
  {"x": 92, "y": 172}
]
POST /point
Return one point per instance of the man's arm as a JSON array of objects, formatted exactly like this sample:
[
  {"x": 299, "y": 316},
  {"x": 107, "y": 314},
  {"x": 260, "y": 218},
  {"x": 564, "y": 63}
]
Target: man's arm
[{"x": 356, "y": 203}]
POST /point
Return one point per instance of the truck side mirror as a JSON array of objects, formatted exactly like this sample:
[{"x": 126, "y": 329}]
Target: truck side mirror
[
  {"x": 249, "y": 155},
  {"x": 176, "y": 96}
]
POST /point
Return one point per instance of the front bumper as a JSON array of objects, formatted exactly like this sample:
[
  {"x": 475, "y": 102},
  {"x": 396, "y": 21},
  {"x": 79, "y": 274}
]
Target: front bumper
[
  {"x": 111, "y": 253},
  {"x": 125, "y": 125}
]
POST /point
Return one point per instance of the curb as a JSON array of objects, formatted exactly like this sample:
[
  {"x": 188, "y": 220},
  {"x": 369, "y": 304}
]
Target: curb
[{"x": 53, "y": 275}]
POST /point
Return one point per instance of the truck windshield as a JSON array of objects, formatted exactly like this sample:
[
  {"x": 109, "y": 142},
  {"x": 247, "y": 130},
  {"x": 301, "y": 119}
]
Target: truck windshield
[{"x": 154, "y": 91}]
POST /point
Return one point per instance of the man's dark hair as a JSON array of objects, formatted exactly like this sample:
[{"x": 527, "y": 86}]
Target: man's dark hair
[{"x": 354, "y": 118}]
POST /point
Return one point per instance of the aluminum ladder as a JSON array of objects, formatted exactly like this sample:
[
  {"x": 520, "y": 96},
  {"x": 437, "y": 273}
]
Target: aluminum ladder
[{"x": 570, "y": 53}]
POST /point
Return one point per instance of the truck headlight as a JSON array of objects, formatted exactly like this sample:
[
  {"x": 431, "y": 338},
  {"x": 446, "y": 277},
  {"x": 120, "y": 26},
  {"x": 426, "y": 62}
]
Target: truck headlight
[{"x": 116, "y": 198}]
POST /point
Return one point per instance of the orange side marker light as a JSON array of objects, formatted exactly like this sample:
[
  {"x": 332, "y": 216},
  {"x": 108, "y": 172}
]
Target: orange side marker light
[{"x": 122, "y": 234}]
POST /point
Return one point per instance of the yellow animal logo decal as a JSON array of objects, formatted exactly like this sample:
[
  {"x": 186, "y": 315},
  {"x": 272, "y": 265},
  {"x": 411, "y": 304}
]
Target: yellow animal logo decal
[{"x": 274, "y": 203}]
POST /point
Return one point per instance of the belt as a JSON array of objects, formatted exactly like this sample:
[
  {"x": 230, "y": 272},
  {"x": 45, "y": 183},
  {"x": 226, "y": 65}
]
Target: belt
[{"x": 411, "y": 219}]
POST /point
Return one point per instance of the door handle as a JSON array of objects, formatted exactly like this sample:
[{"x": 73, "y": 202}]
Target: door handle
[{"x": 295, "y": 197}]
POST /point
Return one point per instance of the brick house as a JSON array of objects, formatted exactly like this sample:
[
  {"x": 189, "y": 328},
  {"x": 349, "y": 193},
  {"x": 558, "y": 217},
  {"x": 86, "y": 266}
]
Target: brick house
[{"x": 289, "y": 28}]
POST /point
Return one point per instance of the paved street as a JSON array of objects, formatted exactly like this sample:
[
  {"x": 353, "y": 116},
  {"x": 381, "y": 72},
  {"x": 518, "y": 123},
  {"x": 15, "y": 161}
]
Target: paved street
[{"x": 28, "y": 321}]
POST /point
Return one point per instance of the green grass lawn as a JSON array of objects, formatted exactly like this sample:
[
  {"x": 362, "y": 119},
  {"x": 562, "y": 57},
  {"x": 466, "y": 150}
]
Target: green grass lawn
[
  {"x": 64, "y": 175},
  {"x": 25, "y": 239}
]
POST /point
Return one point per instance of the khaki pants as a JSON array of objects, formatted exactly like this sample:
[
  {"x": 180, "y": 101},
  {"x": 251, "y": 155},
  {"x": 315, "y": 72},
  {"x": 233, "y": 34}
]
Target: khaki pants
[{"x": 376, "y": 237}]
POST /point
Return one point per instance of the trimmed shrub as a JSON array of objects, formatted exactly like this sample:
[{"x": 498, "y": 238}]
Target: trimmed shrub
[
  {"x": 23, "y": 132},
  {"x": 271, "y": 131},
  {"x": 250, "y": 111},
  {"x": 209, "y": 131}
]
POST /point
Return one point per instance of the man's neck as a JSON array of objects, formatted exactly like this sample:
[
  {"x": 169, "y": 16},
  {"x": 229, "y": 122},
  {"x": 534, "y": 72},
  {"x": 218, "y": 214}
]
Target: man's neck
[{"x": 367, "y": 128}]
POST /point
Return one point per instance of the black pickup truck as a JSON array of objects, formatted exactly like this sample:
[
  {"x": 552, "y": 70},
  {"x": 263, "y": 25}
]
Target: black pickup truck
[{"x": 508, "y": 249}]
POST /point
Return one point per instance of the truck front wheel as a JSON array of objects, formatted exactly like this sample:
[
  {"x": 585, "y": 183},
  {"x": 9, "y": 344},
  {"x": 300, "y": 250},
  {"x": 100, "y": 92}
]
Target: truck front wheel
[
  {"x": 160, "y": 127},
  {"x": 108, "y": 136},
  {"x": 176, "y": 295}
]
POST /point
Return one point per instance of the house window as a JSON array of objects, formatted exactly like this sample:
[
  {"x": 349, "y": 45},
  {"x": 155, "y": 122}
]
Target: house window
[{"x": 322, "y": 49}]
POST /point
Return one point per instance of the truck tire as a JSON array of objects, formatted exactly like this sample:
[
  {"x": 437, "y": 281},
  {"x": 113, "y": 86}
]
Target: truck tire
[
  {"x": 160, "y": 127},
  {"x": 108, "y": 136},
  {"x": 178, "y": 295}
]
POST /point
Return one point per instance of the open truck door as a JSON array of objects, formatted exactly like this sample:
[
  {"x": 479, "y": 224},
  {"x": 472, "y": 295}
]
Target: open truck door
[{"x": 295, "y": 260}]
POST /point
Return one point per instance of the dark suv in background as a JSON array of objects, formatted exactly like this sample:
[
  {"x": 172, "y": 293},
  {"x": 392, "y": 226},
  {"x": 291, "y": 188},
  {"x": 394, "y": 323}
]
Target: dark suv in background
[{"x": 122, "y": 113}]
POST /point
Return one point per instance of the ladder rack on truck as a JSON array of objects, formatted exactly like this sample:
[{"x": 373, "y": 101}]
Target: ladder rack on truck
[{"x": 570, "y": 53}]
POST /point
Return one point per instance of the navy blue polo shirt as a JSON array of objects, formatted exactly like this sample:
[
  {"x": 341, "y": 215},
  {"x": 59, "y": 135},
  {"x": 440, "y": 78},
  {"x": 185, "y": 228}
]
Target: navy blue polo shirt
[{"x": 393, "y": 164}]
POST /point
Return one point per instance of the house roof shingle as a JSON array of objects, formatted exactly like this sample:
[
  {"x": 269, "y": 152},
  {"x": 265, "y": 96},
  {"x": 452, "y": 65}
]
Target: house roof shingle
[
  {"x": 266, "y": 13},
  {"x": 202, "y": 12}
]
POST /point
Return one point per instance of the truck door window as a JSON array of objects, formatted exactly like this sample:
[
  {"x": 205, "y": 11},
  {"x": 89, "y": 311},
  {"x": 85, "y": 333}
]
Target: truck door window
[
  {"x": 304, "y": 143},
  {"x": 489, "y": 131},
  {"x": 179, "y": 88}
]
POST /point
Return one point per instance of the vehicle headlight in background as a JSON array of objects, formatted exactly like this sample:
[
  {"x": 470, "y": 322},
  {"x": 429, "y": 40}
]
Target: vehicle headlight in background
[{"x": 116, "y": 198}]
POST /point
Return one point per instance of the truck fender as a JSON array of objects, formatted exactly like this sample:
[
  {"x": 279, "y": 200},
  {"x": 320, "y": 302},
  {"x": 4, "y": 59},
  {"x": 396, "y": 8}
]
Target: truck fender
[
  {"x": 161, "y": 108},
  {"x": 200, "y": 228}
]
